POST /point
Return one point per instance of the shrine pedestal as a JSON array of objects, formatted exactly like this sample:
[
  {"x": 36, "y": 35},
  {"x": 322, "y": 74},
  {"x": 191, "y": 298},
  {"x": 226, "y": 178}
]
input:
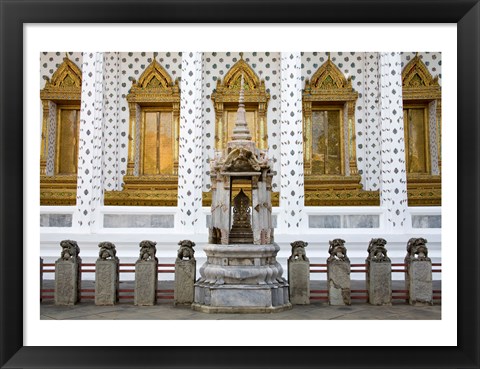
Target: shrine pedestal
[
  {"x": 338, "y": 275},
  {"x": 241, "y": 278},
  {"x": 418, "y": 281},
  {"x": 67, "y": 281}
]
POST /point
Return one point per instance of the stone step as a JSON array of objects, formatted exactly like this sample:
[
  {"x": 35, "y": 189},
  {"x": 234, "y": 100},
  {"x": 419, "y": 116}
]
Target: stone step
[
  {"x": 241, "y": 234},
  {"x": 241, "y": 231},
  {"x": 241, "y": 240}
]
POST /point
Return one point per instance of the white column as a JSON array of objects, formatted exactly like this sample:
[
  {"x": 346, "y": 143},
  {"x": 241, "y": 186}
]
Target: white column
[
  {"x": 190, "y": 161},
  {"x": 291, "y": 218},
  {"x": 393, "y": 184},
  {"x": 371, "y": 99},
  {"x": 89, "y": 182},
  {"x": 111, "y": 173}
]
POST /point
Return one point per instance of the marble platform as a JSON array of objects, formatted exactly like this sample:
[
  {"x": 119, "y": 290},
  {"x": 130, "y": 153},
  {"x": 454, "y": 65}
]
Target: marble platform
[{"x": 241, "y": 278}]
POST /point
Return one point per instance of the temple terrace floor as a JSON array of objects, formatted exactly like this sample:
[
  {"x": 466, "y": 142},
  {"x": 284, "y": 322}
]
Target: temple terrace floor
[{"x": 165, "y": 309}]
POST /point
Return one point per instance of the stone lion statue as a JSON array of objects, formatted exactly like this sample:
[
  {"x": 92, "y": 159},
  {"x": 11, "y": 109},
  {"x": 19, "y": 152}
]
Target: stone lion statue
[
  {"x": 148, "y": 251},
  {"x": 70, "y": 250},
  {"x": 186, "y": 251},
  {"x": 107, "y": 251},
  {"x": 377, "y": 250},
  {"x": 337, "y": 250},
  {"x": 417, "y": 249},
  {"x": 298, "y": 251}
]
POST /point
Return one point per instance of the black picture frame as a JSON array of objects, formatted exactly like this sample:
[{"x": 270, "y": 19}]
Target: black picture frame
[{"x": 14, "y": 14}]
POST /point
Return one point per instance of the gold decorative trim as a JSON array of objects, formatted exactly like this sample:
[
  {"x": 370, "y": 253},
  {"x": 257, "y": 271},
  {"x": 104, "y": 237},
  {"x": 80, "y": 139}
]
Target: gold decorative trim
[
  {"x": 155, "y": 88},
  {"x": 64, "y": 88},
  {"x": 329, "y": 197},
  {"x": 58, "y": 190},
  {"x": 418, "y": 83},
  {"x": 145, "y": 191},
  {"x": 329, "y": 84},
  {"x": 338, "y": 191},
  {"x": 424, "y": 190},
  {"x": 227, "y": 92},
  {"x": 66, "y": 83},
  {"x": 419, "y": 86},
  {"x": 329, "y": 88}
]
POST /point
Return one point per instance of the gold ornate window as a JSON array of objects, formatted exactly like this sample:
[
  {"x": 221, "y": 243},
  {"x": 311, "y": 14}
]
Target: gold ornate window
[
  {"x": 61, "y": 99},
  {"x": 152, "y": 168},
  {"x": 416, "y": 139},
  {"x": 330, "y": 165},
  {"x": 225, "y": 100},
  {"x": 422, "y": 119}
]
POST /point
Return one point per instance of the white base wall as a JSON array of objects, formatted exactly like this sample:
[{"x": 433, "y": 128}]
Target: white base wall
[{"x": 127, "y": 239}]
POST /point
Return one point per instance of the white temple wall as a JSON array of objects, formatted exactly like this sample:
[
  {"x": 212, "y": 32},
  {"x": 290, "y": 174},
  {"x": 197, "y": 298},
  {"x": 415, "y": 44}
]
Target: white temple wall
[
  {"x": 127, "y": 226},
  {"x": 357, "y": 239},
  {"x": 267, "y": 67}
]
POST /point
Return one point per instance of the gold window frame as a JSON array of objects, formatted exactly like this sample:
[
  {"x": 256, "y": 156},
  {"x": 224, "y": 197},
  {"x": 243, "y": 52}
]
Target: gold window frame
[
  {"x": 141, "y": 169},
  {"x": 225, "y": 97},
  {"x": 308, "y": 159},
  {"x": 58, "y": 138},
  {"x": 328, "y": 88},
  {"x": 420, "y": 88},
  {"x": 155, "y": 91},
  {"x": 426, "y": 117},
  {"x": 65, "y": 90}
]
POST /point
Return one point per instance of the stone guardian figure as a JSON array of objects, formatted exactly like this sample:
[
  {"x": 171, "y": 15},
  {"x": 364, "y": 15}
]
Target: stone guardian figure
[
  {"x": 146, "y": 275},
  {"x": 338, "y": 274},
  {"x": 379, "y": 273},
  {"x": 185, "y": 273},
  {"x": 106, "y": 275},
  {"x": 299, "y": 274},
  {"x": 68, "y": 274},
  {"x": 418, "y": 279}
]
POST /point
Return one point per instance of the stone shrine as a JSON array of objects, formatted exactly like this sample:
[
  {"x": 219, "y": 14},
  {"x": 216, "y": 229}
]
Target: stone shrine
[{"x": 241, "y": 273}]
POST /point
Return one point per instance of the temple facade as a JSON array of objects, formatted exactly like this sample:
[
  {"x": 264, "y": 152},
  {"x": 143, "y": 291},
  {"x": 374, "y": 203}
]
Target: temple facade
[{"x": 129, "y": 142}]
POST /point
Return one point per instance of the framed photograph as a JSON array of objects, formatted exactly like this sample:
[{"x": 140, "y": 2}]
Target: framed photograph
[{"x": 281, "y": 348}]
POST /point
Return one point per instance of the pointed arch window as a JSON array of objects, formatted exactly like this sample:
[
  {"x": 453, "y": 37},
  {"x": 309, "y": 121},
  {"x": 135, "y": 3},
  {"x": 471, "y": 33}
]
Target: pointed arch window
[
  {"x": 225, "y": 99},
  {"x": 422, "y": 127},
  {"x": 61, "y": 99},
  {"x": 152, "y": 168},
  {"x": 330, "y": 164}
]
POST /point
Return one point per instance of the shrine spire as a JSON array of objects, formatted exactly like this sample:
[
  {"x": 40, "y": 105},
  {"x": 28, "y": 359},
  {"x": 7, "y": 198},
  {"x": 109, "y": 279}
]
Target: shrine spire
[{"x": 241, "y": 131}]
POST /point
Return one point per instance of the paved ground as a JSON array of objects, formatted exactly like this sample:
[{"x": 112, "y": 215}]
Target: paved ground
[{"x": 317, "y": 310}]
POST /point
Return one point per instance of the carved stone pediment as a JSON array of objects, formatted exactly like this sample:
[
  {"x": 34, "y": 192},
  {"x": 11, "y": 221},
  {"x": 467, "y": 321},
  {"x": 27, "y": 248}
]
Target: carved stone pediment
[{"x": 241, "y": 160}]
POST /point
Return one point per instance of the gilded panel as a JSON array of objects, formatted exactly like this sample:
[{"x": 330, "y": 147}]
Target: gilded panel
[
  {"x": 68, "y": 130},
  {"x": 416, "y": 140}
]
